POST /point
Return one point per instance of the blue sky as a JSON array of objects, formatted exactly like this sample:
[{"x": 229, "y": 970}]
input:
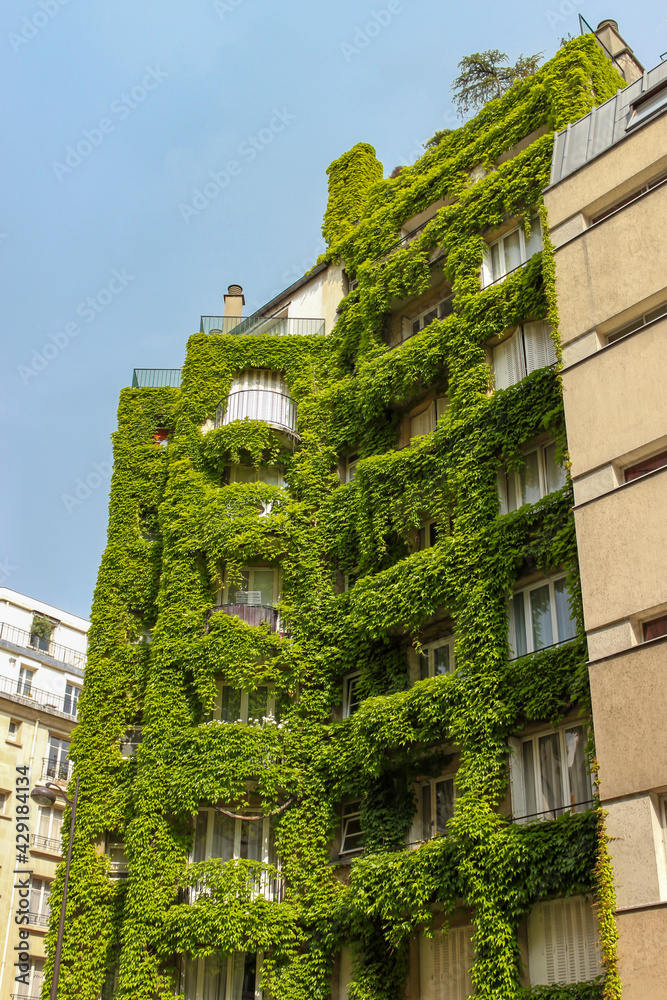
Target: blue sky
[{"x": 114, "y": 115}]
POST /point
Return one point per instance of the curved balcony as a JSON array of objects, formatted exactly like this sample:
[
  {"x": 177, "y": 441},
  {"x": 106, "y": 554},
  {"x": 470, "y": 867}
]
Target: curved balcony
[{"x": 276, "y": 408}]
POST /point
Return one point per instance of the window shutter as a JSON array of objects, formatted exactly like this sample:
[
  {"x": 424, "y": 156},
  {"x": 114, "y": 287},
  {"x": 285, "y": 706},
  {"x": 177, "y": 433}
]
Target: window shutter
[
  {"x": 427, "y": 970},
  {"x": 563, "y": 942},
  {"x": 539, "y": 346},
  {"x": 508, "y": 362},
  {"x": 501, "y": 478},
  {"x": 423, "y": 422},
  {"x": 406, "y": 328},
  {"x": 441, "y": 406},
  {"x": 456, "y": 957},
  {"x": 344, "y": 973},
  {"x": 517, "y": 791},
  {"x": 487, "y": 269}
]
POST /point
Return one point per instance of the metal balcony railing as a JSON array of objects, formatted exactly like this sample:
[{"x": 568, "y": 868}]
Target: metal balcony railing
[
  {"x": 25, "y": 693},
  {"x": 38, "y": 919},
  {"x": 156, "y": 378},
  {"x": 46, "y": 844},
  {"x": 276, "y": 408},
  {"x": 30, "y": 640},
  {"x": 272, "y": 889},
  {"x": 57, "y": 769},
  {"x": 262, "y": 326},
  {"x": 251, "y": 614}
]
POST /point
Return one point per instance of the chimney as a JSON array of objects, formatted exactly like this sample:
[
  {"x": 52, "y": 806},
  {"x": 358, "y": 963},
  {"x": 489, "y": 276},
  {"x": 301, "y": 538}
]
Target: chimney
[
  {"x": 234, "y": 301},
  {"x": 618, "y": 50}
]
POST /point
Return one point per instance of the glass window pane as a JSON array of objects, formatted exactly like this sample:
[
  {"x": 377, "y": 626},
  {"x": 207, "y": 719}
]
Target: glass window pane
[
  {"x": 534, "y": 241},
  {"x": 251, "y": 840},
  {"x": 270, "y": 475},
  {"x": 257, "y": 702},
  {"x": 555, "y": 471},
  {"x": 190, "y": 967},
  {"x": 567, "y": 626},
  {"x": 577, "y": 771},
  {"x": 240, "y": 588},
  {"x": 249, "y": 976},
  {"x": 427, "y": 829},
  {"x": 199, "y": 847},
  {"x": 529, "y": 478},
  {"x": 238, "y": 976},
  {"x": 230, "y": 704},
  {"x": 430, "y": 316},
  {"x": 540, "y": 609},
  {"x": 223, "y": 837},
  {"x": 444, "y": 803},
  {"x": 441, "y": 660},
  {"x": 423, "y": 665},
  {"x": 518, "y": 614},
  {"x": 245, "y": 474},
  {"x": 495, "y": 261},
  {"x": 511, "y": 491},
  {"x": 529, "y": 777},
  {"x": 263, "y": 581},
  {"x": 215, "y": 977},
  {"x": 512, "y": 251},
  {"x": 551, "y": 781}
]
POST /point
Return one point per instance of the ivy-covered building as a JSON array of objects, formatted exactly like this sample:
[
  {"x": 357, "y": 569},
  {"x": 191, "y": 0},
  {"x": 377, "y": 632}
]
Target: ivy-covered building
[{"x": 334, "y": 738}]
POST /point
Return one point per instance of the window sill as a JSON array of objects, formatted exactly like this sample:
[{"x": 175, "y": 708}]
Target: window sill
[
  {"x": 13, "y": 743},
  {"x": 5, "y": 816}
]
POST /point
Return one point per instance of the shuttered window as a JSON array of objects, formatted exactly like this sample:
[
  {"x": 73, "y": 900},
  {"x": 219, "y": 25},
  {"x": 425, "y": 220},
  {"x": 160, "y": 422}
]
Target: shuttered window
[
  {"x": 563, "y": 942},
  {"x": 258, "y": 394},
  {"x": 445, "y": 962},
  {"x": 528, "y": 349},
  {"x": 425, "y": 421}
]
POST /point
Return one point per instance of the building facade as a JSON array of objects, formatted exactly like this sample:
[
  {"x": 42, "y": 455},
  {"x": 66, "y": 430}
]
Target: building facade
[
  {"x": 607, "y": 202},
  {"x": 42, "y": 662},
  {"x": 336, "y": 731}
]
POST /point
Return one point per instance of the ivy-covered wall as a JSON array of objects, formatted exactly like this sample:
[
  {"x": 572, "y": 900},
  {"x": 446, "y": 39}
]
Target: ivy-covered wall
[{"x": 176, "y": 526}]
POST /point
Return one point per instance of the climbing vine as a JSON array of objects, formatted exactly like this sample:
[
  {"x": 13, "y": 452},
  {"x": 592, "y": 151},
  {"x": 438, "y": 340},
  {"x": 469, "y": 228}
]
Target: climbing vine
[{"x": 180, "y": 529}]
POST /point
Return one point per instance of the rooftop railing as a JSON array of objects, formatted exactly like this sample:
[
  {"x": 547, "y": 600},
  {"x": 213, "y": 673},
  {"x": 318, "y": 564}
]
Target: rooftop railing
[
  {"x": 262, "y": 326},
  {"x": 30, "y": 640},
  {"x": 25, "y": 693},
  {"x": 156, "y": 378}
]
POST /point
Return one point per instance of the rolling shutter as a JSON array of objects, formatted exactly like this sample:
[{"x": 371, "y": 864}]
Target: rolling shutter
[
  {"x": 563, "y": 942},
  {"x": 539, "y": 346},
  {"x": 508, "y": 361},
  {"x": 445, "y": 962}
]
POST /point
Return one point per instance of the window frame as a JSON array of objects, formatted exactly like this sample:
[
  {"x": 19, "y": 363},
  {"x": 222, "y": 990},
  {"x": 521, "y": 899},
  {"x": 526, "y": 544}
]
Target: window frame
[
  {"x": 350, "y": 705},
  {"x": 251, "y": 570},
  {"x": 348, "y": 815},
  {"x": 42, "y": 892},
  {"x": 449, "y": 975},
  {"x": 197, "y": 968},
  {"x": 14, "y": 737},
  {"x": 263, "y": 883},
  {"x": 351, "y": 463},
  {"x": 441, "y": 312},
  {"x": 518, "y": 775},
  {"x": 245, "y": 703},
  {"x": 431, "y": 784},
  {"x": 29, "y": 673},
  {"x": 258, "y": 480},
  {"x": 72, "y": 698},
  {"x": 651, "y": 316},
  {"x": 430, "y": 415},
  {"x": 487, "y": 264},
  {"x": 430, "y": 649},
  {"x": 504, "y": 475},
  {"x": 54, "y": 829},
  {"x": 638, "y": 469},
  {"x": 525, "y": 592}
]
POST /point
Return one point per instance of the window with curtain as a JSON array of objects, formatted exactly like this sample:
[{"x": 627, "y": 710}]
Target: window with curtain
[
  {"x": 540, "y": 616},
  {"x": 512, "y": 250},
  {"x": 530, "y": 347},
  {"x": 550, "y": 774},
  {"x": 540, "y": 475}
]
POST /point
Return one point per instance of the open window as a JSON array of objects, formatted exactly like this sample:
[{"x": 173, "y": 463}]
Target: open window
[
  {"x": 258, "y": 585},
  {"x": 351, "y": 833},
  {"x": 229, "y": 839},
  {"x": 540, "y": 617},
  {"x": 563, "y": 942},
  {"x": 540, "y": 475},
  {"x": 512, "y": 250},
  {"x": 530, "y": 347},
  {"x": 351, "y": 695},
  {"x": 549, "y": 774},
  {"x": 441, "y": 310},
  {"x": 424, "y": 422}
]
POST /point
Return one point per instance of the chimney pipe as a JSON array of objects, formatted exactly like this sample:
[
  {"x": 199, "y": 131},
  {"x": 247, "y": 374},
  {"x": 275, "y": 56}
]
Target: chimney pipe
[{"x": 234, "y": 301}]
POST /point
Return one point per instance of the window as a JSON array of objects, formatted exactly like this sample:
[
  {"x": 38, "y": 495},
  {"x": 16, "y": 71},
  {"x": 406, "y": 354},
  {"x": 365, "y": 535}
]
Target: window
[
  {"x": 33, "y": 988},
  {"x": 40, "y": 631},
  {"x": 540, "y": 617},
  {"x": 71, "y": 702},
  {"x": 637, "y": 324},
  {"x": 654, "y": 629},
  {"x": 229, "y": 839},
  {"x": 351, "y": 696},
  {"x": 49, "y": 829},
  {"x": 57, "y": 763},
  {"x": 425, "y": 421},
  {"x": 540, "y": 475},
  {"x": 428, "y": 535},
  {"x": 648, "y": 465},
  {"x": 40, "y": 890},
  {"x": 631, "y": 197},
  {"x": 351, "y": 467},
  {"x": 563, "y": 942},
  {"x": 437, "y": 806},
  {"x": 271, "y": 475},
  {"x": 351, "y": 834},
  {"x": 442, "y": 309},
  {"x": 24, "y": 685},
  {"x": 258, "y": 394},
  {"x": 549, "y": 774},
  {"x": 4, "y": 802},
  {"x": 14, "y": 731},
  {"x": 437, "y": 658},
  {"x": 511, "y": 251},
  {"x": 235, "y": 705},
  {"x": 259, "y": 585},
  {"x": 529, "y": 348},
  {"x": 129, "y": 744},
  {"x": 647, "y": 105},
  {"x": 444, "y": 964},
  {"x": 119, "y": 865},
  {"x": 222, "y": 977}
]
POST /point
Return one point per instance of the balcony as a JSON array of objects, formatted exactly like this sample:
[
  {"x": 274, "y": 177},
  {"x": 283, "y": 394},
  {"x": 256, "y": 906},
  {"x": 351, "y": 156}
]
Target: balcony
[
  {"x": 29, "y": 640},
  {"x": 25, "y": 694},
  {"x": 57, "y": 769},
  {"x": 38, "y": 920},
  {"x": 251, "y": 614},
  {"x": 156, "y": 378},
  {"x": 262, "y": 326},
  {"x": 276, "y": 408},
  {"x": 52, "y": 845},
  {"x": 272, "y": 889}
]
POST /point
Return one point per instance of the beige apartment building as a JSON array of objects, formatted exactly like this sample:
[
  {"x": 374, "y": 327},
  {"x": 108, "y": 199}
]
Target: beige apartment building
[
  {"x": 607, "y": 206},
  {"x": 42, "y": 660}
]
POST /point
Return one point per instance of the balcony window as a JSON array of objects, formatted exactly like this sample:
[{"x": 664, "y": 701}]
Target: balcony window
[
  {"x": 24, "y": 685},
  {"x": 445, "y": 961},
  {"x": 425, "y": 422},
  {"x": 351, "y": 832},
  {"x": 71, "y": 702},
  {"x": 563, "y": 942},
  {"x": 437, "y": 806},
  {"x": 258, "y": 585},
  {"x": 235, "y": 705},
  {"x": 437, "y": 658},
  {"x": 40, "y": 890},
  {"x": 442, "y": 309},
  {"x": 351, "y": 463},
  {"x": 222, "y": 977},
  {"x": 49, "y": 829},
  {"x": 530, "y": 347},
  {"x": 540, "y": 475},
  {"x": 57, "y": 762},
  {"x": 549, "y": 774},
  {"x": 271, "y": 475},
  {"x": 119, "y": 865},
  {"x": 540, "y": 617},
  {"x": 351, "y": 696},
  {"x": 259, "y": 394},
  {"x": 229, "y": 839},
  {"x": 511, "y": 251}
]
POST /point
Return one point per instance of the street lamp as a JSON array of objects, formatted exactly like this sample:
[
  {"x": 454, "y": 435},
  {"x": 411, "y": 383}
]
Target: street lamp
[{"x": 46, "y": 795}]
